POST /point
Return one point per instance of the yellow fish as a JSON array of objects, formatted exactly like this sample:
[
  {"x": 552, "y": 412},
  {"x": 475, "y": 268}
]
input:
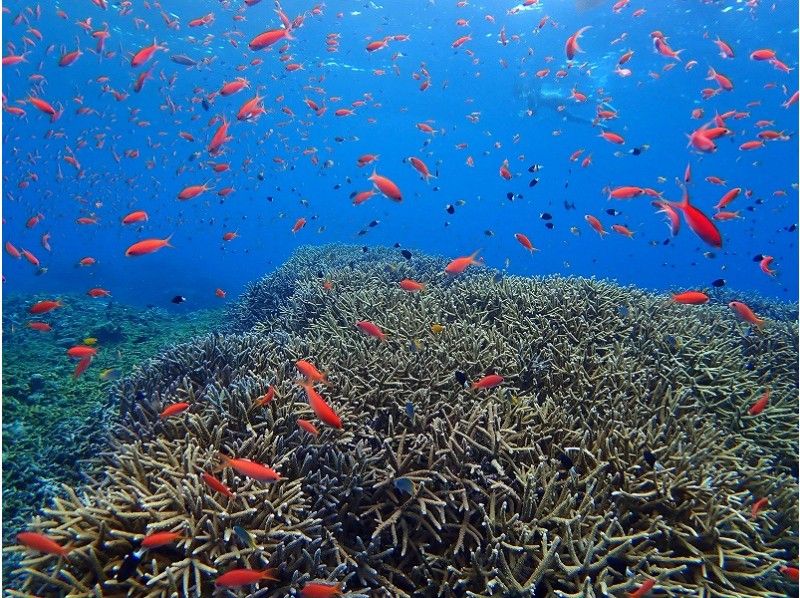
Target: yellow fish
[
  {"x": 437, "y": 328},
  {"x": 90, "y": 341}
]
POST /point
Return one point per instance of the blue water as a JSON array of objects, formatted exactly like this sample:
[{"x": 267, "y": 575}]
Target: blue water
[{"x": 654, "y": 109}]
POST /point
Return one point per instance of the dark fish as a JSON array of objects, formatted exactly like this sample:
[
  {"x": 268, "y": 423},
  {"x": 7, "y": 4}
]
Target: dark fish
[
  {"x": 461, "y": 377},
  {"x": 183, "y": 59},
  {"x": 510, "y": 196},
  {"x": 549, "y": 225},
  {"x": 533, "y": 182},
  {"x": 760, "y": 201},
  {"x": 650, "y": 458},
  {"x": 404, "y": 485},
  {"x": 406, "y": 254},
  {"x": 365, "y": 249},
  {"x": 758, "y": 257},
  {"x": 244, "y": 536},
  {"x": 337, "y": 186},
  {"x": 450, "y": 209},
  {"x": 534, "y": 168},
  {"x": 719, "y": 282},
  {"x": 635, "y": 151},
  {"x": 565, "y": 461},
  {"x": 489, "y": 232},
  {"x": 206, "y": 105},
  {"x": 410, "y": 410},
  {"x": 129, "y": 565},
  {"x": 791, "y": 228},
  {"x": 178, "y": 299},
  {"x": 622, "y": 311},
  {"x": 362, "y": 232},
  {"x": 568, "y": 205},
  {"x": 613, "y": 212},
  {"x": 374, "y": 223},
  {"x": 546, "y": 216}
]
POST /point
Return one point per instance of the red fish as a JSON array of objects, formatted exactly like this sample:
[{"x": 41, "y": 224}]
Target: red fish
[
  {"x": 571, "y": 47},
  {"x": 412, "y": 286},
  {"x": 138, "y": 216},
  {"x": 625, "y": 192},
  {"x": 596, "y": 225},
  {"x": 82, "y": 366},
  {"x": 236, "y": 578},
  {"x": 459, "y": 264},
  {"x": 215, "y": 484},
  {"x": 306, "y": 425},
  {"x": 308, "y": 370},
  {"x": 766, "y": 260},
  {"x": 299, "y": 224},
  {"x": 42, "y": 307},
  {"x": 386, "y": 186},
  {"x": 81, "y": 352},
  {"x": 321, "y": 409},
  {"x": 371, "y": 329},
  {"x": 145, "y": 54},
  {"x": 266, "y": 39},
  {"x": 40, "y": 326},
  {"x": 42, "y": 543},
  {"x": 489, "y": 381},
  {"x": 757, "y": 506},
  {"x": 251, "y": 469},
  {"x": 157, "y": 539},
  {"x": 791, "y": 572},
  {"x": 760, "y": 404},
  {"x": 746, "y": 314},
  {"x": 174, "y": 409},
  {"x": 643, "y": 589},
  {"x": 98, "y": 292},
  {"x": 690, "y": 298},
  {"x": 313, "y": 589},
  {"x": 525, "y": 242},
  {"x": 147, "y": 246},
  {"x": 698, "y": 222}
]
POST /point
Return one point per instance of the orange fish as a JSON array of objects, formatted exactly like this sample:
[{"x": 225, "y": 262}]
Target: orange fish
[
  {"x": 371, "y": 329},
  {"x": 82, "y": 366},
  {"x": 321, "y": 409},
  {"x": 525, "y": 242},
  {"x": 40, "y": 326},
  {"x": 459, "y": 264},
  {"x": 173, "y": 409},
  {"x": 412, "y": 286},
  {"x": 571, "y": 47},
  {"x": 42, "y": 543},
  {"x": 157, "y": 539},
  {"x": 489, "y": 381},
  {"x": 766, "y": 260},
  {"x": 299, "y": 224},
  {"x": 690, "y": 298},
  {"x": 193, "y": 191},
  {"x": 147, "y": 246},
  {"x": 596, "y": 225},
  {"x": 215, "y": 484},
  {"x": 42, "y": 307},
  {"x": 236, "y": 578},
  {"x": 81, "y": 352},
  {"x": 757, "y": 506},
  {"x": 643, "y": 589},
  {"x": 386, "y": 186},
  {"x": 145, "y": 54},
  {"x": 308, "y": 370},
  {"x": 306, "y": 425},
  {"x": 266, "y": 397},
  {"x": 250, "y": 469},
  {"x": 266, "y": 39},
  {"x": 760, "y": 404},
  {"x": 138, "y": 216},
  {"x": 746, "y": 314},
  {"x": 313, "y": 589}
]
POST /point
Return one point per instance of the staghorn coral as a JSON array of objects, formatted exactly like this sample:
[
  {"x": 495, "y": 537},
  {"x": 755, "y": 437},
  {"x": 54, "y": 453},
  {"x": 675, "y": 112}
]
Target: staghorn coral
[{"x": 618, "y": 447}]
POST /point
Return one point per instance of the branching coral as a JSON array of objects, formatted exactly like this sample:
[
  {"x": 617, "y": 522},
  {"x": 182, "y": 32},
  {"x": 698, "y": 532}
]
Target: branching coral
[{"x": 617, "y": 449}]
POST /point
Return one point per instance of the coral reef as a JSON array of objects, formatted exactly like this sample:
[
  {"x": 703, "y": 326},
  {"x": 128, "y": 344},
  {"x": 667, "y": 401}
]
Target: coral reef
[
  {"x": 50, "y": 419},
  {"x": 618, "y": 447}
]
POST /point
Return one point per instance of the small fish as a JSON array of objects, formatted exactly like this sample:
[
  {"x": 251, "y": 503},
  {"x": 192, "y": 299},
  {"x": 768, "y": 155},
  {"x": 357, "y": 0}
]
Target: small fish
[
  {"x": 236, "y": 578},
  {"x": 719, "y": 282},
  {"x": 760, "y": 404},
  {"x": 306, "y": 425},
  {"x": 461, "y": 377},
  {"x": 110, "y": 374},
  {"x": 129, "y": 565},
  {"x": 313, "y": 589},
  {"x": 437, "y": 328},
  {"x": 489, "y": 381},
  {"x": 642, "y": 590},
  {"x": 757, "y": 506},
  {"x": 371, "y": 329},
  {"x": 404, "y": 485},
  {"x": 406, "y": 254},
  {"x": 244, "y": 536},
  {"x": 410, "y": 410},
  {"x": 178, "y": 299},
  {"x": 90, "y": 341},
  {"x": 746, "y": 314},
  {"x": 158, "y": 539}
]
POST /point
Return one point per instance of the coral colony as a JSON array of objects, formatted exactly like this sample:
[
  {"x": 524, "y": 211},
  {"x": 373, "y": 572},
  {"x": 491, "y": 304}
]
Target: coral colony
[{"x": 506, "y": 437}]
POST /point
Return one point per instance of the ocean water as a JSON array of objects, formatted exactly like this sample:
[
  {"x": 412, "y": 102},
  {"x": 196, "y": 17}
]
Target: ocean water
[{"x": 524, "y": 136}]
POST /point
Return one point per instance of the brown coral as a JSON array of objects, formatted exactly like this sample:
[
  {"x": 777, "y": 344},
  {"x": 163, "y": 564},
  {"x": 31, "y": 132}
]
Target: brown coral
[{"x": 617, "y": 449}]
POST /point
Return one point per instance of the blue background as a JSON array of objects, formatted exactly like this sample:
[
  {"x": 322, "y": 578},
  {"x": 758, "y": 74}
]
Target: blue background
[{"x": 651, "y": 111}]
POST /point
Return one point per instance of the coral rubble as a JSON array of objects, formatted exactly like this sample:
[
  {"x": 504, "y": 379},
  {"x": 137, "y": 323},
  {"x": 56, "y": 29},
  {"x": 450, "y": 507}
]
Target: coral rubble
[{"x": 617, "y": 449}]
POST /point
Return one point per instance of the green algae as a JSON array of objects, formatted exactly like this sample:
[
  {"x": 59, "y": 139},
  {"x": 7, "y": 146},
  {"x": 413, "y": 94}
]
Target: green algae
[{"x": 50, "y": 419}]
